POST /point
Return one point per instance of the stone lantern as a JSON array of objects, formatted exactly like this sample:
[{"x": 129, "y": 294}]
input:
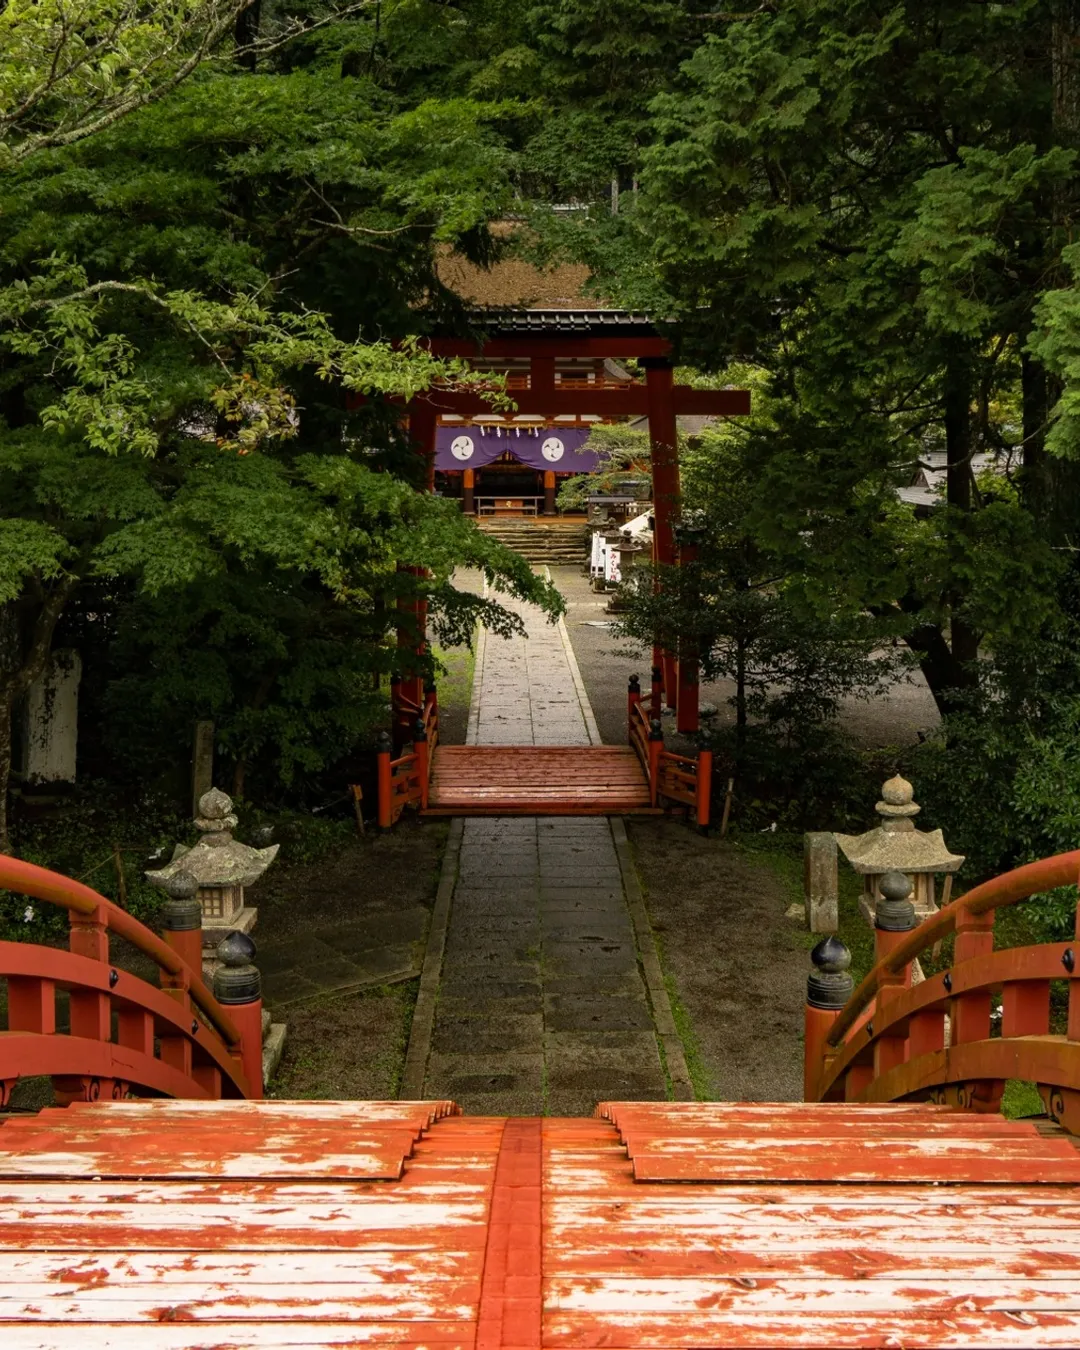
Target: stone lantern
[
  {"x": 221, "y": 867},
  {"x": 897, "y": 846}
]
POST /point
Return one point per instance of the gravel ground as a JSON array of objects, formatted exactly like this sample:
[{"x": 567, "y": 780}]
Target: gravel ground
[{"x": 894, "y": 719}]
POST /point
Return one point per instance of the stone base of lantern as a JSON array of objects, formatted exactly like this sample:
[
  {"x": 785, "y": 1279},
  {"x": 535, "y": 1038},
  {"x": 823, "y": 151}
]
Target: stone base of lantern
[{"x": 241, "y": 922}]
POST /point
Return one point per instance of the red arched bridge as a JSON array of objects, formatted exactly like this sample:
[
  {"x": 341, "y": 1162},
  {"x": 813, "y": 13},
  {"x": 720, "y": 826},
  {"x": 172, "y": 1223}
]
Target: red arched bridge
[{"x": 895, "y": 1207}]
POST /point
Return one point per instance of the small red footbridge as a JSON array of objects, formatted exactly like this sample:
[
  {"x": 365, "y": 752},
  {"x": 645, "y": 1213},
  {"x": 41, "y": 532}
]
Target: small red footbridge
[
  {"x": 895, "y": 1207},
  {"x": 640, "y": 778}
]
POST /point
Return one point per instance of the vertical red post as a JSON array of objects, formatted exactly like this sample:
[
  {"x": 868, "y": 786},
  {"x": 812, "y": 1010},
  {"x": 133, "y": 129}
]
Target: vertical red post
[
  {"x": 385, "y": 778},
  {"x": 31, "y": 1004},
  {"x": 1072, "y": 1029},
  {"x": 656, "y": 689},
  {"x": 971, "y": 1012},
  {"x": 90, "y": 1012},
  {"x": 828, "y": 988},
  {"x": 664, "y": 439},
  {"x": 703, "y": 794},
  {"x": 549, "y": 492},
  {"x": 181, "y": 921},
  {"x": 889, "y": 1051},
  {"x": 542, "y": 375},
  {"x": 468, "y": 492},
  {"x": 894, "y": 919},
  {"x": 420, "y": 749},
  {"x": 238, "y": 988}
]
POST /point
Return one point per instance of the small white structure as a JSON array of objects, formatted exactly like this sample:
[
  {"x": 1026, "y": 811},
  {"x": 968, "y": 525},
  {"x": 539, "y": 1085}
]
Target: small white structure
[
  {"x": 604, "y": 564},
  {"x": 51, "y": 725}
]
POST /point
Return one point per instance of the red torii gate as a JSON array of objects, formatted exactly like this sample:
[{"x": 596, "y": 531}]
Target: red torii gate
[{"x": 542, "y": 337}]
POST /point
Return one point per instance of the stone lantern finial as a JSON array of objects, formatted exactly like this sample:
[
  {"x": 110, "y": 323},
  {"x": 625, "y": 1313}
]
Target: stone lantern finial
[{"x": 897, "y": 806}]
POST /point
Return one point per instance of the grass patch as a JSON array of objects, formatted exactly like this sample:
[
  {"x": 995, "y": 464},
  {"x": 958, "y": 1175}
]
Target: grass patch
[
  {"x": 1021, "y": 1099},
  {"x": 347, "y": 1047},
  {"x": 456, "y": 681},
  {"x": 695, "y": 1065},
  {"x": 782, "y": 853}
]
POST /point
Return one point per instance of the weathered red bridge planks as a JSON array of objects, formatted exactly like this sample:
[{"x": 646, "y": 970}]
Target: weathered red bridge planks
[
  {"x": 538, "y": 780},
  {"x": 530, "y": 1233}
]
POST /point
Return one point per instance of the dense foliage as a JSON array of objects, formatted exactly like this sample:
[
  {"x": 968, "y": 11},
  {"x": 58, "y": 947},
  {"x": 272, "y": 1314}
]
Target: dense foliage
[{"x": 217, "y": 218}]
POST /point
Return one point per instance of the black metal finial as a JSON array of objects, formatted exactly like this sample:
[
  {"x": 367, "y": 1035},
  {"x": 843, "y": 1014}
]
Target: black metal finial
[
  {"x": 237, "y": 979},
  {"x": 829, "y": 985},
  {"x": 634, "y": 685},
  {"x": 419, "y": 730},
  {"x": 894, "y": 912},
  {"x": 383, "y": 744},
  {"x": 657, "y": 674},
  {"x": 656, "y": 731},
  {"x": 182, "y": 912}
]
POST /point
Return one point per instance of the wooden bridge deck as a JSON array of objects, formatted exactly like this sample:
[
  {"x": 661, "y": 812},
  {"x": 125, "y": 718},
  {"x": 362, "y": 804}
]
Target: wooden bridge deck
[
  {"x": 530, "y": 780},
  {"x": 390, "y": 1224}
]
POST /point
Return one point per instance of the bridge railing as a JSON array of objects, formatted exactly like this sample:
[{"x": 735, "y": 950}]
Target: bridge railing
[
  {"x": 890, "y": 1040},
  {"x": 405, "y": 780},
  {"x": 125, "y": 1036},
  {"x": 676, "y": 778}
]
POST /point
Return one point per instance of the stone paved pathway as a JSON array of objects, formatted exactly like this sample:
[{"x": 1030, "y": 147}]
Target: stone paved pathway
[{"x": 541, "y": 1005}]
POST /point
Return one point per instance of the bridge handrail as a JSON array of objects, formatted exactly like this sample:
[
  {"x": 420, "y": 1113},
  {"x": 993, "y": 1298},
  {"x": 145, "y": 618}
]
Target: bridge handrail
[
  {"x": 52, "y": 888},
  {"x": 1000, "y": 892}
]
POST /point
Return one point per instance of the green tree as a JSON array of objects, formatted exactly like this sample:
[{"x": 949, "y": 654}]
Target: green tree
[
  {"x": 171, "y": 386},
  {"x": 864, "y": 199}
]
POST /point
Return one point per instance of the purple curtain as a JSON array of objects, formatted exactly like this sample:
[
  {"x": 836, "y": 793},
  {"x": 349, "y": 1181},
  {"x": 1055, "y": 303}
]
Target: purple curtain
[{"x": 472, "y": 446}]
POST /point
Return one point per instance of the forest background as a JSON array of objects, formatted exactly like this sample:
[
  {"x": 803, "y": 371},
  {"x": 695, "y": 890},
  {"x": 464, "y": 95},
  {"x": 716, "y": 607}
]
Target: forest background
[{"x": 216, "y": 217}]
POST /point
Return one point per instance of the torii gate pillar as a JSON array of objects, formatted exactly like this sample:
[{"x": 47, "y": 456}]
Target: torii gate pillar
[{"x": 679, "y": 693}]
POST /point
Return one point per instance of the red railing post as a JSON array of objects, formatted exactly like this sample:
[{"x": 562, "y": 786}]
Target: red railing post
[
  {"x": 703, "y": 793},
  {"x": 181, "y": 919},
  {"x": 383, "y": 747},
  {"x": 1072, "y": 1029},
  {"x": 970, "y": 1013},
  {"x": 31, "y": 1004},
  {"x": 828, "y": 988},
  {"x": 420, "y": 749},
  {"x": 656, "y": 746},
  {"x": 894, "y": 918},
  {"x": 90, "y": 1011},
  {"x": 238, "y": 987},
  {"x": 633, "y": 699}
]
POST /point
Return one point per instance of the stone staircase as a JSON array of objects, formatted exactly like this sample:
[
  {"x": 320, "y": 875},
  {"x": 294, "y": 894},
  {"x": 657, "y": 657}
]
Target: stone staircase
[{"x": 562, "y": 543}]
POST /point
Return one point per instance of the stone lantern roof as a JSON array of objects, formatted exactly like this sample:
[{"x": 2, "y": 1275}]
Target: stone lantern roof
[
  {"x": 217, "y": 860},
  {"x": 896, "y": 845}
]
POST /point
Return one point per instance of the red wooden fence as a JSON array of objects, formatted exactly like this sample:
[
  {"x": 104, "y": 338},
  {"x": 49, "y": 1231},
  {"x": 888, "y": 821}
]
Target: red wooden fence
[
  {"x": 672, "y": 778},
  {"x": 405, "y": 781},
  {"x": 125, "y": 1037},
  {"x": 892, "y": 1041}
]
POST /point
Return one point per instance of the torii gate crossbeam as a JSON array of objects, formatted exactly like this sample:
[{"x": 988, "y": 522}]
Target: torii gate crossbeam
[{"x": 542, "y": 337}]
